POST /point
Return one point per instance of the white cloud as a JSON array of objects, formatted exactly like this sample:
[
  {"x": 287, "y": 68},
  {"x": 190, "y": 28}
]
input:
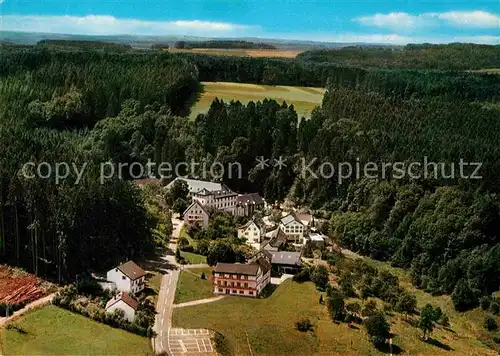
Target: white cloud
[
  {"x": 109, "y": 25},
  {"x": 403, "y": 21},
  {"x": 472, "y": 18},
  {"x": 394, "y": 21},
  {"x": 393, "y": 39}
]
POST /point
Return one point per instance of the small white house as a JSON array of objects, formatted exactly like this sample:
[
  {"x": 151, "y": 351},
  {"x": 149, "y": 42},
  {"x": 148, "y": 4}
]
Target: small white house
[
  {"x": 123, "y": 301},
  {"x": 252, "y": 233},
  {"x": 128, "y": 277}
]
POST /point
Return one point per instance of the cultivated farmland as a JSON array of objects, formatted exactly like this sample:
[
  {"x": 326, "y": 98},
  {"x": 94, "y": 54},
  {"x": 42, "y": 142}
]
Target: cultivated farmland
[
  {"x": 304, "y": 99},
  {"x": 270, "y": 53}
]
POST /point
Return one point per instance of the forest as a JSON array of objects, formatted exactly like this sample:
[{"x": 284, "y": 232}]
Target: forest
[
  {"x": 92, "y": 107},
  {"x": 453, "y": 56}
]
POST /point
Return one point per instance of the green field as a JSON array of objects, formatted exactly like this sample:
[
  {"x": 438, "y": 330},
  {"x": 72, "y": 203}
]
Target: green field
[
  {"x": 191, "y": 287},
  {"x": 303, "y": 98},
  {"x": 268, "y": 326},
  {"x": 55, "y": 331},
  {"x": 194, "y": 258}
]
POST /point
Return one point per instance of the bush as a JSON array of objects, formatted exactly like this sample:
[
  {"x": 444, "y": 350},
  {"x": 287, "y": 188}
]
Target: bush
[
  {"x": 320, "y": 277},
  {"x": 495, "y": 307},
  {"x": 302, "y": 276},
  {"x": 485, "y": 302},
  {"x": 490, "y": 324},
  {"x": 221, "y": 344},
  {"x": 369, "y": 309},
  {"x": 378, "y": 328},
  {"x": 304, "y": 325}
]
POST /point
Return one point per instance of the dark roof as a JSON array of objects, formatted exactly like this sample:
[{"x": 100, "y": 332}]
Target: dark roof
[
  {"x": 252, "y": 198},
  {"x": 127, "y": 299},
  {"x": 131, "y": 270},
  {"x": 286, "y": 258},
  {"x": 245, "y": 225},
  {"x": 237, "y": 268}
]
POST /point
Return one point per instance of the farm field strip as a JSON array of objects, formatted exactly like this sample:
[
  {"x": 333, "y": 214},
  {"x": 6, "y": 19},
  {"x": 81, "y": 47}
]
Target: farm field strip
[
  {"x": 271, "y": 53},
  {"x": 304, "y": 99}
]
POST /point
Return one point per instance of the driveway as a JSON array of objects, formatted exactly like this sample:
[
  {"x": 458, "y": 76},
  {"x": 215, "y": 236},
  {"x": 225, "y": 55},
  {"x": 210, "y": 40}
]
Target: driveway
[{"x": 176, "y": 341}]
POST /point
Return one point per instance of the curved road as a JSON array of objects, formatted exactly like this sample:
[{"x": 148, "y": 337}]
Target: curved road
[{"x": 176, "y": 341}]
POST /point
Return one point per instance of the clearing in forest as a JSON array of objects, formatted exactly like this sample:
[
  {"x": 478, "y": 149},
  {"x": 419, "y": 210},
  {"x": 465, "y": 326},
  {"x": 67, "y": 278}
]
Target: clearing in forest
[
  {"x": 304, "y": 99},
  {"x": 240, "y": 52}
]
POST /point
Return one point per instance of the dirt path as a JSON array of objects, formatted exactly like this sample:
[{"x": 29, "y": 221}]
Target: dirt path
[{"x": 199, "y": 301}]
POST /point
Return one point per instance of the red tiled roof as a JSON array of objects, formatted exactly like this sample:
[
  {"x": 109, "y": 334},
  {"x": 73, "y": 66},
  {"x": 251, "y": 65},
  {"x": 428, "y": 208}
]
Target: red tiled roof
[{"x": 126, "y": 298}]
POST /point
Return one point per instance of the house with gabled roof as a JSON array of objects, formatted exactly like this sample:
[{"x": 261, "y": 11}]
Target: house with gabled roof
[
  {"x": 123, "y": 301},
  {"x": 196, "y": 213},
  {"x": 243, "y": 279},
  {"x": 127, "y": 277},
  {"x": 293, "y": 228},
  {"x": 252, "y": 233},
  {"x": 248, "y": 204}
]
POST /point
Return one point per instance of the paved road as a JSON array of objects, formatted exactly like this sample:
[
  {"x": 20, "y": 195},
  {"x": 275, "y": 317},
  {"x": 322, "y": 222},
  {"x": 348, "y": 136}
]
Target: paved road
[{"x": 176, "y": 341}]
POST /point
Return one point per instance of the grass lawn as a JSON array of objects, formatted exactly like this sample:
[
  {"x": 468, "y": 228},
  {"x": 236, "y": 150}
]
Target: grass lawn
[
  {"x": 304, "y": 99},
  {"x": 268, "y": 325},
  {"x": 191, "y": 287},
  {"x": 193, "y": 258},
  {"x": 55, "y": 331}
]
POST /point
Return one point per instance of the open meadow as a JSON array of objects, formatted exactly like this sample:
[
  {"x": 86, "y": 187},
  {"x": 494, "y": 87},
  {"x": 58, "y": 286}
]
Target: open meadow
[
  {"x": 304, "y": 99},
  {"x": 267, "y": 326},
  {"x": 270, "y": 53},
  {"x": 55, "y": 331}
]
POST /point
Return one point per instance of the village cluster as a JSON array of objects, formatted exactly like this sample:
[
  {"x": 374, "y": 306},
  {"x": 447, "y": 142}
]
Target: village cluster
[{"x": 266, "y": 236}]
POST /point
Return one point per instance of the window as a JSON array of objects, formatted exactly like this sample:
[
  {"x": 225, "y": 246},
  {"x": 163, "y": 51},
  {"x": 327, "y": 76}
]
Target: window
[
  {"x": 246, "y": 285},
  {"x": 241, "y": 292},
  {"x": 238, "y": 284},
  {"x": 123, "y": 277},
  {"x": 234, "y": 291},
  {"x": 250, "y": 292},
  {"x": 220, "y": 289}
]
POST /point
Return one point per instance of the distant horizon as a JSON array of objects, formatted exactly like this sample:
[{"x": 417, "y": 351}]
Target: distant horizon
[
  {"x": 176, "y": 37},
  {"x": 331, "y": 21}
]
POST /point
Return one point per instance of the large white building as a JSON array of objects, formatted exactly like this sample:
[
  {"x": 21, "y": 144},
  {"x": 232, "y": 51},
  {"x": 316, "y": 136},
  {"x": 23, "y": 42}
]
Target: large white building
[
  {"x": 128, "y": 277},
  {"x": 222, "y": 200},
  {"x": 251, "y": 233}
]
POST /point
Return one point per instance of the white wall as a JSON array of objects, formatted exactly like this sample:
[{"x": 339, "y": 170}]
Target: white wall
[
  {"x": 122, "y": 281},
  {"x": 129, "y": 311}
]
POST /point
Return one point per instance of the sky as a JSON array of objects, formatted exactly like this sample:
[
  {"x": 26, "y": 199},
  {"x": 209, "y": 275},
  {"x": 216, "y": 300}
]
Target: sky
[{"x": 370, "y": 21}]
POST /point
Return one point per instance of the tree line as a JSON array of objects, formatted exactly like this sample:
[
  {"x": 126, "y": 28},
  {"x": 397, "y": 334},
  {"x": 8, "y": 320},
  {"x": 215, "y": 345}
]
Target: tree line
[{"x": 453, "y": 56}]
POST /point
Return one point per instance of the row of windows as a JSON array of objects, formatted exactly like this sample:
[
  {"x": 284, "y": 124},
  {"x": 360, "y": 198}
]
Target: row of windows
[
  {"x": 232, "y": 284},
  {"x": 234, "y": 276},
  {"x": 234, "y": 291}
]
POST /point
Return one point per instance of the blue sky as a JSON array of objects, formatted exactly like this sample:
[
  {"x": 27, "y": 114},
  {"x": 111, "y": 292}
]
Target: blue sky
[{"x": 376, "y": 21}]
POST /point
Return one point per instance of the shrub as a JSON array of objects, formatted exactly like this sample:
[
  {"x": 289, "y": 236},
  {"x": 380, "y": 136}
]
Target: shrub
[
  {"x": 485, "y": 302},
  {"x": 336, "y": 306},
  {"x": 495, "y": 307},
  {"x": 369, "y": 309},
  {"x": 304, "y": 325},
  {"x": 302, "y": 276},
  {"x": 203, "y": 275},
  {"x": 221, "y": 344},
  {"x": 378, "y": 328},
  {"x": 490, "y": 324},
  {"x": 320, "y": 277}
]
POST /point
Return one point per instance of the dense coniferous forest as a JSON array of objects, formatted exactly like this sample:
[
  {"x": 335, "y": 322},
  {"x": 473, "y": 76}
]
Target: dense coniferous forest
[
  {"x": 80, "y": 44},
  {"x": 92, "y": 107},
  {"x": 455, "y": 56}
]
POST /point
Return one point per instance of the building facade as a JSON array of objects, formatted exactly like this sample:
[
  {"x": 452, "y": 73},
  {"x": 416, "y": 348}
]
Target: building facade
[
  {"x": 222, "y": 200},
  {"x": 246, "y": 280},
  {"x": 196, "y": 214},
  {"x": 124, "y": 302},
  {"x": 252, "y": 234},
  {"x": 294, "y": 229},
  {"x": 128, "y": 277}
]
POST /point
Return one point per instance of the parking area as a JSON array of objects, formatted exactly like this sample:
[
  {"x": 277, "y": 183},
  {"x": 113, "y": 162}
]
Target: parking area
[{"x": 187, "y": 342}]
